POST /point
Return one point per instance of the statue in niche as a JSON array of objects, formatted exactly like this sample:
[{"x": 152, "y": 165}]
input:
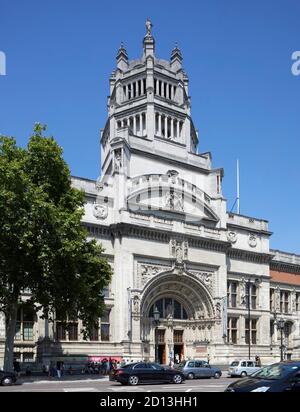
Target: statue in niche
[
  {"x": 118, "y": 160},
  {"x": 179, "y": 253}
]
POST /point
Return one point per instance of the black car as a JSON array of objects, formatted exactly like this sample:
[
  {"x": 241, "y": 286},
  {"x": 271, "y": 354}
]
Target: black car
[
  {"x": 135, "y": 373},
  {"x": 7, "y": 378},
  {"x": 279, "y": 377}
]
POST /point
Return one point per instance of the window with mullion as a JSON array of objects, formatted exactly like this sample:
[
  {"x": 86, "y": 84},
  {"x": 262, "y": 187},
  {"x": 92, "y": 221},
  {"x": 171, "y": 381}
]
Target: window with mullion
[
  {"x": 251, "y": 331},
  {"x": 105, "y": 326},
  {"x": 232, "y": 330},
  {"x": 232, "y": 288}
]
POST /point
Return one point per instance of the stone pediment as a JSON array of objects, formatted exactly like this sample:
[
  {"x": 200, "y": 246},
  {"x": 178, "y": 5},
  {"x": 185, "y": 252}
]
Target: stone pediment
[{"x": 169, "y": 195}]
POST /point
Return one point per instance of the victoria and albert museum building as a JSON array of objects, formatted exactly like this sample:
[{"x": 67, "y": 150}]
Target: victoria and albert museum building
[{"x": 190, "y": 279}]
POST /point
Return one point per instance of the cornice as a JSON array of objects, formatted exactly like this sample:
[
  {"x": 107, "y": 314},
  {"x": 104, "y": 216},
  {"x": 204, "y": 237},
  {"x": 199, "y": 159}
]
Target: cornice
[
  {"x": 249, "y": 256},
  {"x": 285, "y": 267}
]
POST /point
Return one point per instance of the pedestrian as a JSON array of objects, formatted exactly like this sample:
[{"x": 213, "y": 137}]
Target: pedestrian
[
  {"x": 17, "y": 368},
  {"x": 257, "y": 361},
  {"x": 52, "y": 370},
  {"x": 208, "y": 358},
  {"x": 58, "y": 369},
  {"x": 171, "y": 364}
]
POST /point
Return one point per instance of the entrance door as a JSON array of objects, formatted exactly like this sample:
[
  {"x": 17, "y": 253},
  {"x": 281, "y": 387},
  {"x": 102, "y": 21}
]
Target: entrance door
[
  {"x": 162, "y": 354},
  {"x": 178, "y": 346},
  {"x": 161, "y": 346}
]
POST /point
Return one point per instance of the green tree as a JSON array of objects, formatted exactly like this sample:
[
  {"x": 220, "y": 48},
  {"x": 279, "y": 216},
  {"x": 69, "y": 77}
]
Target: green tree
[{"x": 43, "y": 244}]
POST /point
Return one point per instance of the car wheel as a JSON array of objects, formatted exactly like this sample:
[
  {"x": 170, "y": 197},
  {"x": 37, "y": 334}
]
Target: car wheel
[
  {"x": 217, "y": 375},
  {"x": 133, "y": 380},
  {"x": 7, "y": 381},
  {"x": 243, "y": 374},
  {"x": 177, "y": 379},
  {"x": 191, "y": 376}
]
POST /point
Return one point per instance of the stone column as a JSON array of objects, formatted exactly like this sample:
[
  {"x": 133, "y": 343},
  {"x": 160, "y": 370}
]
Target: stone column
[
  {"x": 172, "y": 128},
  {"x": 159, "y": 124},
  {"x": 134, "y": 125},
  {"x": 167, "y": 91},
  {"x": 166, "y": 127},
  {"x": 141, "y": 124},
  {"x": 177, "y": 125},
  {"x": 142, "y": 87}
]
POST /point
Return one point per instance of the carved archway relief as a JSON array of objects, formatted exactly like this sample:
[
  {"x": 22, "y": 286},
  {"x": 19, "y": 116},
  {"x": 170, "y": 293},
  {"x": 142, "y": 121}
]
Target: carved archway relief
[{"x": 183, "y": 286}]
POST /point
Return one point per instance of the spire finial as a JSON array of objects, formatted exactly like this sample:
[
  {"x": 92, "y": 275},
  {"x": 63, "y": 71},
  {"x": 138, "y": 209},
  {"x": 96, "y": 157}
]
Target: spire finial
[{"x": 149, "y": 26}]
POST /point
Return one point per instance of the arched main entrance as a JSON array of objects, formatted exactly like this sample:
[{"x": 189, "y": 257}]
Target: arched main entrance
[{"x": 186, "y": 313}]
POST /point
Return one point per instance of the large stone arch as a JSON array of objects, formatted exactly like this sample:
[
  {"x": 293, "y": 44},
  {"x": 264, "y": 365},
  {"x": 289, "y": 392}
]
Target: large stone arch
[{"x": 185, "y": 287}]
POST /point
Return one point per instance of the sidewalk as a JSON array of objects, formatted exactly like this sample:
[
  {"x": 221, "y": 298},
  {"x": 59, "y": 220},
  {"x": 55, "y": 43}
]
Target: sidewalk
[{"x": 64, "y": 378}]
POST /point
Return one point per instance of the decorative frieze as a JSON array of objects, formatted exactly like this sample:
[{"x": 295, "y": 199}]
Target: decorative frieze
[
  {"x": 146, "y": 271},
  {"x": 206, "y": 278}
]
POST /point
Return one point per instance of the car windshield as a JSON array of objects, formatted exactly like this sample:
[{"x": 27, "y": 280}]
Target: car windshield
[
  {"x": 234, "y": 364},
  {"x": 275, "y": 372}
]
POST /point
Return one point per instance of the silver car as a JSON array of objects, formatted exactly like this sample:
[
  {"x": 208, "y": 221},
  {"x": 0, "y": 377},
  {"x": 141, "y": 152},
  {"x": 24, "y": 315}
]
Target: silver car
[
  {"x": 198, "y": 369},
  {"x": 243, "y": 368}
]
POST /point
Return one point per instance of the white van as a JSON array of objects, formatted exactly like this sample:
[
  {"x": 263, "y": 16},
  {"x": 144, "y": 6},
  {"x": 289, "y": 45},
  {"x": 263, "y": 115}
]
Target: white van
[{"x": 243, "y": 368}]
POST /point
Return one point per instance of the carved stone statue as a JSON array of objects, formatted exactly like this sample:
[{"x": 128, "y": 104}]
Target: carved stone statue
[
  {"x": 149, "y": 26},
  {"x": 118, "y": 160}
]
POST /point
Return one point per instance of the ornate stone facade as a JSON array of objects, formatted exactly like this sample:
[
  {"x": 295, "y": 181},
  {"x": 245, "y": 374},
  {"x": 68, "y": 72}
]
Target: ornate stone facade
[{"x": 168, "y": 236}]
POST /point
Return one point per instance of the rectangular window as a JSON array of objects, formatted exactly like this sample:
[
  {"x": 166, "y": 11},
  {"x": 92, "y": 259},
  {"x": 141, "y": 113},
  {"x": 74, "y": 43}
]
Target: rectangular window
[
  {"x": 104, "y": 332},
  {"x": 178, "y": 336},
  {"x": 251, "y": 331},
  {"x": 232, "y": 288},
  {"x": 73, "y": 331},
  {"x": 60, "y": 331},
  {"x": 160, "y": 336},
  {"x": 94, "y": 336},
  {"x": 105, "y": 326},
  {"x": 286, "y": 302},
  {"x": 106, "y": 292},
  {"x": 297, "y": 302},
  {"x": 28, "y": 331},
  {"x": 232, "y": 330},
  {"x": 251, "y": 289},
  {"x": 271, "y": 300}
]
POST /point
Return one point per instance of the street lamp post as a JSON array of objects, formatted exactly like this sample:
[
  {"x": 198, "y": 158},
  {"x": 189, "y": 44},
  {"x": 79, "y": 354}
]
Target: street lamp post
[
  {"x": 280, "y": 325},
  {"x": 248, "y": 303},
  {"x": 156, "y": 315}
]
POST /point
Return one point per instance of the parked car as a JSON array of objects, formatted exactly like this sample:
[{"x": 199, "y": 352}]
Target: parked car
[
  {"x": 198, "y": 369},
  {"x": 140, "y": 372},
  {"x": 279, "y": 377},
  {"x": 7, "y": 378},
  {"x": 243, "y": 368}
]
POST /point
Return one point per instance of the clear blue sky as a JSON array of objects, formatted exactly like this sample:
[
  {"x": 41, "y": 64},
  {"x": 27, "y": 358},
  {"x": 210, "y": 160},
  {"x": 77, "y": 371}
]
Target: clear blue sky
[{"x": 245, "y": 101}]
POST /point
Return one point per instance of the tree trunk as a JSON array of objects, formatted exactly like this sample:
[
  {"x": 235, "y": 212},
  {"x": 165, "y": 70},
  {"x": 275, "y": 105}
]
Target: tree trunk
[{"x": 11, "y": 321}]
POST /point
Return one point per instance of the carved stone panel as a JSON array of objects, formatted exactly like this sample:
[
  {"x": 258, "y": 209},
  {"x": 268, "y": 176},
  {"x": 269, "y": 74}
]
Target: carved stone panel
[
  {"x": 100, "y": 211},
  {"x": 206, "y": 278},
  {"x": 252, "y": 240},
  {"x": 146, "y": 271}
]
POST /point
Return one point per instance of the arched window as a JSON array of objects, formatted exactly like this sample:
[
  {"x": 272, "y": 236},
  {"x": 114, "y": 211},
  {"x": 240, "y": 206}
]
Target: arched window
[{"x": 169, "y": 306}]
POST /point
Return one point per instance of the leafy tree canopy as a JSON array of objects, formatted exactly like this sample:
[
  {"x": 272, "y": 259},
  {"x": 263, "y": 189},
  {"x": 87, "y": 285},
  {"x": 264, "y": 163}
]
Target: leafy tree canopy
[{"x": 43, "y": 245}]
